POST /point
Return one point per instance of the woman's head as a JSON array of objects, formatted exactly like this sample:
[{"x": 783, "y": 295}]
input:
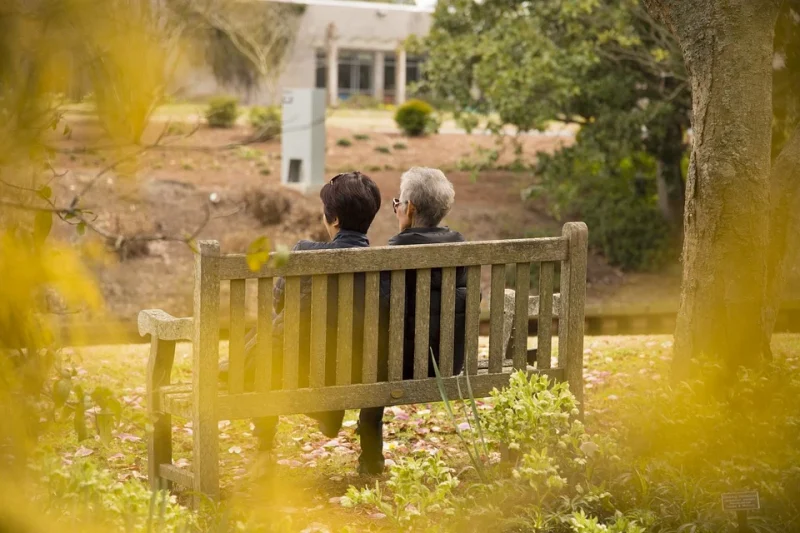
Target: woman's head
[
  {"x": 426, "y": 196},
  {"x": 350, "y": 202}
]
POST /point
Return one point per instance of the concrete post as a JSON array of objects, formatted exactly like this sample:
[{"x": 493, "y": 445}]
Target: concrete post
[
  {"x": 400, "y": 76},
  {"x": 333, "y": 73},
  {"x": 378, "y": 83}
]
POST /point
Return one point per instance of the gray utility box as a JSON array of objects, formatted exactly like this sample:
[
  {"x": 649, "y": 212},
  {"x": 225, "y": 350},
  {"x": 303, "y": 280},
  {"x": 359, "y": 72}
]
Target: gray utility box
[{"x": 303, "y": 139}]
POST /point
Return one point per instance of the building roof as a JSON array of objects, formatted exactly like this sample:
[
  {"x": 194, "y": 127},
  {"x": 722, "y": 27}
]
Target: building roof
[{"x": 354, "y": 4}]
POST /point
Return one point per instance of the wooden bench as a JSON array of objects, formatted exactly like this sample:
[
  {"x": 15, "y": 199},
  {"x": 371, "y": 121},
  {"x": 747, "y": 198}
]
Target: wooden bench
[{"x": 205, "y": 401}]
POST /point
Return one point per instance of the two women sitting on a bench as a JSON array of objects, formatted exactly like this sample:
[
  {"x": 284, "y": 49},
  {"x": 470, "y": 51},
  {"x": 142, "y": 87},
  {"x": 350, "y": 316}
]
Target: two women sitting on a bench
[{"x": 349, "y": 204}]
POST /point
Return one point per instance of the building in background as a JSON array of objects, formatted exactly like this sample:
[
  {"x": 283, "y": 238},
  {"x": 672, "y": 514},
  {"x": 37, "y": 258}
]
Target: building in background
[{"x": 346, "y": 47}]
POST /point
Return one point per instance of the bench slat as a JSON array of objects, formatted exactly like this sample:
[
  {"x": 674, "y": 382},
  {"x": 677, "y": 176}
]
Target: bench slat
[
  {"x": 263, "y": 356},
  {"x": 236, "y": 341},
  {"x": 422, "y": 317},
  {"x": 344, "y": 335},
  {"x": 291, "y": 334},
  {"x": 205, "y": 371},
  {"x": 319, "y": 325},
  {"x": 396, "y": 324},
  {"x": 496, "y": 318},
  {"x": 309, "y": 263},
  {"x": 182, "y": 477},
  {"x": 447, "y": 321},
  {"x": 472, "y": 329},
  {"x": 545, "y": 319},
  {"x": 521, "y": 290},
  {"x": 251, "y": 405},
  {"x": 369, "y": 370}
]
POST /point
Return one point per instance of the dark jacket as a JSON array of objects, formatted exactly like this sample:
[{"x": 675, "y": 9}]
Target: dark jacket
[
  {"x": 438, "y": 235},
  {"x": 344, "y": 239}
]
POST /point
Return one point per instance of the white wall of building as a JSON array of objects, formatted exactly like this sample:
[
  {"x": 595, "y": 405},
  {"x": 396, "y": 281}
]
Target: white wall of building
[{"x": 325, "y": 25}]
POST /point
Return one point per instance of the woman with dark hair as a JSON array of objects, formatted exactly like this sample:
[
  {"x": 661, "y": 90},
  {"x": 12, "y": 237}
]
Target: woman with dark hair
[{"x": 350, "y": 202}]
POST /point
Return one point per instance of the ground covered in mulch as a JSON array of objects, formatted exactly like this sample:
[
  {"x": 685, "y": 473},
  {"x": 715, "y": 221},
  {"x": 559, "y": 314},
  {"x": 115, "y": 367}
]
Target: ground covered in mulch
[{"x": 205, "y": 183}]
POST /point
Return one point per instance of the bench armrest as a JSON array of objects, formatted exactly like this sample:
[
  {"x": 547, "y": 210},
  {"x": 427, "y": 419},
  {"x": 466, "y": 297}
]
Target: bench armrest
[{"x": 164, "y": 326}]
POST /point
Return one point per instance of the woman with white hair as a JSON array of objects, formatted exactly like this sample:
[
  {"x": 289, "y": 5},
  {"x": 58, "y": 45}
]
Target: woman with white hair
[{"x": 426, "y": 197}]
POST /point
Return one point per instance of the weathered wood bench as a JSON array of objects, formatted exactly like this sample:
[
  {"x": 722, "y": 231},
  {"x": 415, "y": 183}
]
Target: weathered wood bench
[{"x": 205, "y": 401}]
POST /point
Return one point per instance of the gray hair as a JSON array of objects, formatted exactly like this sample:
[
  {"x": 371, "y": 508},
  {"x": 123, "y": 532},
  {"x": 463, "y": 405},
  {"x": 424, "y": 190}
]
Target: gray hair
[{"x": 431, "y": 193}]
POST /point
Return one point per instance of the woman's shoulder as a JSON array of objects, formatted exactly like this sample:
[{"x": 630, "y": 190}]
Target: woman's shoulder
[{"x": 303, "y": 245}]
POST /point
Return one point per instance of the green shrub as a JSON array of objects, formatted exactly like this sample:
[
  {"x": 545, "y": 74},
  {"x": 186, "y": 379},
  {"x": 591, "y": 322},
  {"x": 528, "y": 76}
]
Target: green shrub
[
  {"x": 613, "y": 190},
  {"x": 467, "y": 121},
  {"x": 84, "y": 494},
  {"x": 383, "y": 149},
  {"x": 266, "y": 122},
  {"x": 222, "y": 112},
  {"x": 421, "y": 485},
  {"x": 664, "y": 455},
  {"x": 414, "y": 117},
  {"x": 361, "y": 137},
  {"x": 344, "y": 142},
  {"x": 400, "y": 146}
]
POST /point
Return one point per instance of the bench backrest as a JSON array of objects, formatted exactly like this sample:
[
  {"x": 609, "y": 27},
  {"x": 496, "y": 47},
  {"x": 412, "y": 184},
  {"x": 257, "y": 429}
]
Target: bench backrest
[{"x": 212, "y": 270}]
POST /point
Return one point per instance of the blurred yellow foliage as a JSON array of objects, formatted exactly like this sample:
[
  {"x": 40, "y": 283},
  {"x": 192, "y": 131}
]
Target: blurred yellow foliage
[{"x": 46, "y": 47}]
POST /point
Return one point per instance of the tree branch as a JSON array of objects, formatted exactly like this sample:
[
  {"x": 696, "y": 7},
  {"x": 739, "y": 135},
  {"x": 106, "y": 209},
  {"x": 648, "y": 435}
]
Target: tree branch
[{"x": 74, "y": 203}]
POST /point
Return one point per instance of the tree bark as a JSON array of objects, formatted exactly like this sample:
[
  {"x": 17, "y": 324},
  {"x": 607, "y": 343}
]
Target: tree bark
[{"x": 727, "y": 46}]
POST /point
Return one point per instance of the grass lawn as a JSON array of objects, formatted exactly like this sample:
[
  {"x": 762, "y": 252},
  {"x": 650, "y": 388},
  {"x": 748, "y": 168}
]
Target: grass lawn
[{"x": 312, "y": 472}]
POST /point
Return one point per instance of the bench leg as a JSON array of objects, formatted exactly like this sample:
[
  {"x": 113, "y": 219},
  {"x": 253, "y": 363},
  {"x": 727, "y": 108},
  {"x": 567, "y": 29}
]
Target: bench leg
[
  {"x": 205, "y": 460},
  {"x": 159, "y": 442}
]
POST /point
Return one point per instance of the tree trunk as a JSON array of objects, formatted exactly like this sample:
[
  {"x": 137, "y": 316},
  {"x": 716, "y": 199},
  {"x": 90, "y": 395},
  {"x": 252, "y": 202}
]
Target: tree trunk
[{"x": 727, "y": 46}]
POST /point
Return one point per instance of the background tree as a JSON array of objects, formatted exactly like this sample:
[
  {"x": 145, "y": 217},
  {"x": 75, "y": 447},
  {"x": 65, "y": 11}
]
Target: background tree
[
  {"x": 607, "y": 66},
  {"x": 244, "y": 43},
  {"x": 741, "y": 220}
]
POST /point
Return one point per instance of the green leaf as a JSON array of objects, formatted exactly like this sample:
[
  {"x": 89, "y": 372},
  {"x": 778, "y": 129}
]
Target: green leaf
[
  {"x": 104, "y": 421},
  {"x": 67, "y": 131},
  {"x": 101, "y": 396},
  {"x": 61, "y": 391},
  {"x": 80, "y": 418},
  {"x": 42, "y": 225},
  {"x": 280, "y": 257},
  {"x": 45, "y": 192},
  {"x": 81, "y": 228},
  {"x": 257, "y": 253}
]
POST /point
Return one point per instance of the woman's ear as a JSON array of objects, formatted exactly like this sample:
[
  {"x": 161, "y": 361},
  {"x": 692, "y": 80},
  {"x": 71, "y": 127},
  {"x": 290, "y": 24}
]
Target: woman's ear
[{"x": 335, "y": 222}]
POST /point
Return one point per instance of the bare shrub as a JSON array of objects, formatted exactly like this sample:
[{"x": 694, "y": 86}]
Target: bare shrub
[
  {"x": 270, "y": 205},
  {"x": 129, "y": 247}
]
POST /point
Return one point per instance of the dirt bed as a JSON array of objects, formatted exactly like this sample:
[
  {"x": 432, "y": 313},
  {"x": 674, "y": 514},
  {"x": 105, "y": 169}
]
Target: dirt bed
[{"x": 172, "y": 189}]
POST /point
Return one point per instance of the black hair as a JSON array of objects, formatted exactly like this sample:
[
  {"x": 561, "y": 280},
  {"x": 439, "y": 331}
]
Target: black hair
[{"x": 353, "y": 198}]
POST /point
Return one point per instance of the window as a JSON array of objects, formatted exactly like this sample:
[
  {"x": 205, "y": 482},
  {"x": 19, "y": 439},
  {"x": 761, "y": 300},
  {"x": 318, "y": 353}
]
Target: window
[
  {"x": 413, "y": 70},
  {"x": 355, "y": 73},
  {"x": 389, "y": 81},
  {"x": 413, "y": 74}
]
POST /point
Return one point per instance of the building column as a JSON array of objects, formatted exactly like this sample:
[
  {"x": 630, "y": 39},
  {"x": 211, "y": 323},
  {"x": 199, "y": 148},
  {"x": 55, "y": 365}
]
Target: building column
[
  {"x": 400, "y": 76},
  {"x": 377, "y": 76},
  {"x": 333, "y": 74}
]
